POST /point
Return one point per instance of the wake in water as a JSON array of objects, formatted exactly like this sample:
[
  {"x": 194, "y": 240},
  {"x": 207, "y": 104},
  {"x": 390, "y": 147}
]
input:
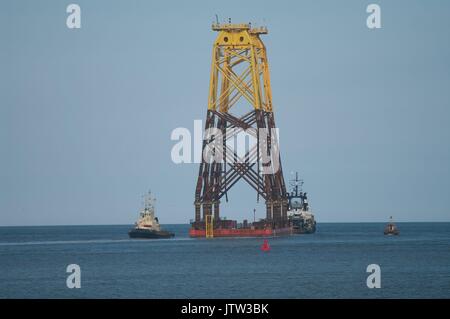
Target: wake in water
[{"x": 89, "y": 241}]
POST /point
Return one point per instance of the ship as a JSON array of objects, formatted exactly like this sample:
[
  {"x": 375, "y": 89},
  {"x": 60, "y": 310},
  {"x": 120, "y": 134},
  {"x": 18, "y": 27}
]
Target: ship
[
  {"x": 391, "y": 228},
  {"x": 299, "y": 213},
  {"x": 147, "y": 226}
]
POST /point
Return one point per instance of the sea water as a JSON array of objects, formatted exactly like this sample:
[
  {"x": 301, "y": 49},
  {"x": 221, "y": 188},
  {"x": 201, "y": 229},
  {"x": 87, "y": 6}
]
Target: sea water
[{"x": 332, "y": 263}]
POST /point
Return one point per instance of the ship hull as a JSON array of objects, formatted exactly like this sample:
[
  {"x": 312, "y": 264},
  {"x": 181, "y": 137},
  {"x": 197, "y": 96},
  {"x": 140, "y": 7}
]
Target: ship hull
[
  {"x": 392, "y": 233},
  {"x": 300, "y": 231},
  {"x": 149, "y": 234},
  {"x": 303, "y": 226},
  {"x": 391, "y": 229},
  {"x": 242, "y": 232}
]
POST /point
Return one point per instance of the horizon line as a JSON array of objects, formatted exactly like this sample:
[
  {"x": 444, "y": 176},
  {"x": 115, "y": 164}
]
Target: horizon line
[{"x": 341, "y": 222}]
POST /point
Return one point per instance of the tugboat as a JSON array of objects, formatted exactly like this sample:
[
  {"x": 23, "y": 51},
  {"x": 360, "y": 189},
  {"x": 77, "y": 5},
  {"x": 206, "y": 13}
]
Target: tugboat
[
  {"x": 299, "y": 213},
  {"x": 391, "y": 228},
  {"x": 148, "y": 225}
]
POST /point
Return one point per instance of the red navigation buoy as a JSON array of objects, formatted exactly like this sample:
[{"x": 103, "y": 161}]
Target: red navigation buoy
[{"x": 265, "y": 246}]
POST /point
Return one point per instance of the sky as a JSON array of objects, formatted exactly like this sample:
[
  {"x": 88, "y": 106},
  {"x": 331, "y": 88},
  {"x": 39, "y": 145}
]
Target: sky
[{"x": 86, "y": 114}]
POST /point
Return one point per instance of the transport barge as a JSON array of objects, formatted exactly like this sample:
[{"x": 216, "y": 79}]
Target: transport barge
[
  {"x": 214, "y": 226},
  {"x": 242, "y": 232}
]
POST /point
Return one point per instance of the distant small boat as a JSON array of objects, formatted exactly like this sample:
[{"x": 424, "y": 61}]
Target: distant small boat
[{"x": 391, "y": 228}]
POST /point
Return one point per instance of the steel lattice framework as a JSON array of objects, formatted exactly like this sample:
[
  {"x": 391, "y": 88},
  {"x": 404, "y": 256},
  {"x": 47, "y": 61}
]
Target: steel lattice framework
[{"x": 240, "y": 73}]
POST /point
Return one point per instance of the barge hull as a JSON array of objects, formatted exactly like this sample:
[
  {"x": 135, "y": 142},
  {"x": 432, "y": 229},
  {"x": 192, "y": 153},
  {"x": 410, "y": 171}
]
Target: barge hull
[{"x": 238, "y": 232}]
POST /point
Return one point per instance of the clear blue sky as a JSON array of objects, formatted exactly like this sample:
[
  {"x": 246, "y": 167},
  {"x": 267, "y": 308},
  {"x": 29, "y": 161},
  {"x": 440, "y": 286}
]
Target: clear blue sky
[{"x": 86, "y": 115}]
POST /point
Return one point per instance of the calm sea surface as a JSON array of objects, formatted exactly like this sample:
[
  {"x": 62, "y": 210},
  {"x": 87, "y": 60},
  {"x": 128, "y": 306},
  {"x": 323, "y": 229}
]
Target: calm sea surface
[{"x": 329, "y": 264}]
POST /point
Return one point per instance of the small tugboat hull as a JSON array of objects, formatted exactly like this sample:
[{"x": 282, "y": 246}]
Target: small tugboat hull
[
  {"x": 390, "y": 233},
  {"x": 149, "y": 234}
]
